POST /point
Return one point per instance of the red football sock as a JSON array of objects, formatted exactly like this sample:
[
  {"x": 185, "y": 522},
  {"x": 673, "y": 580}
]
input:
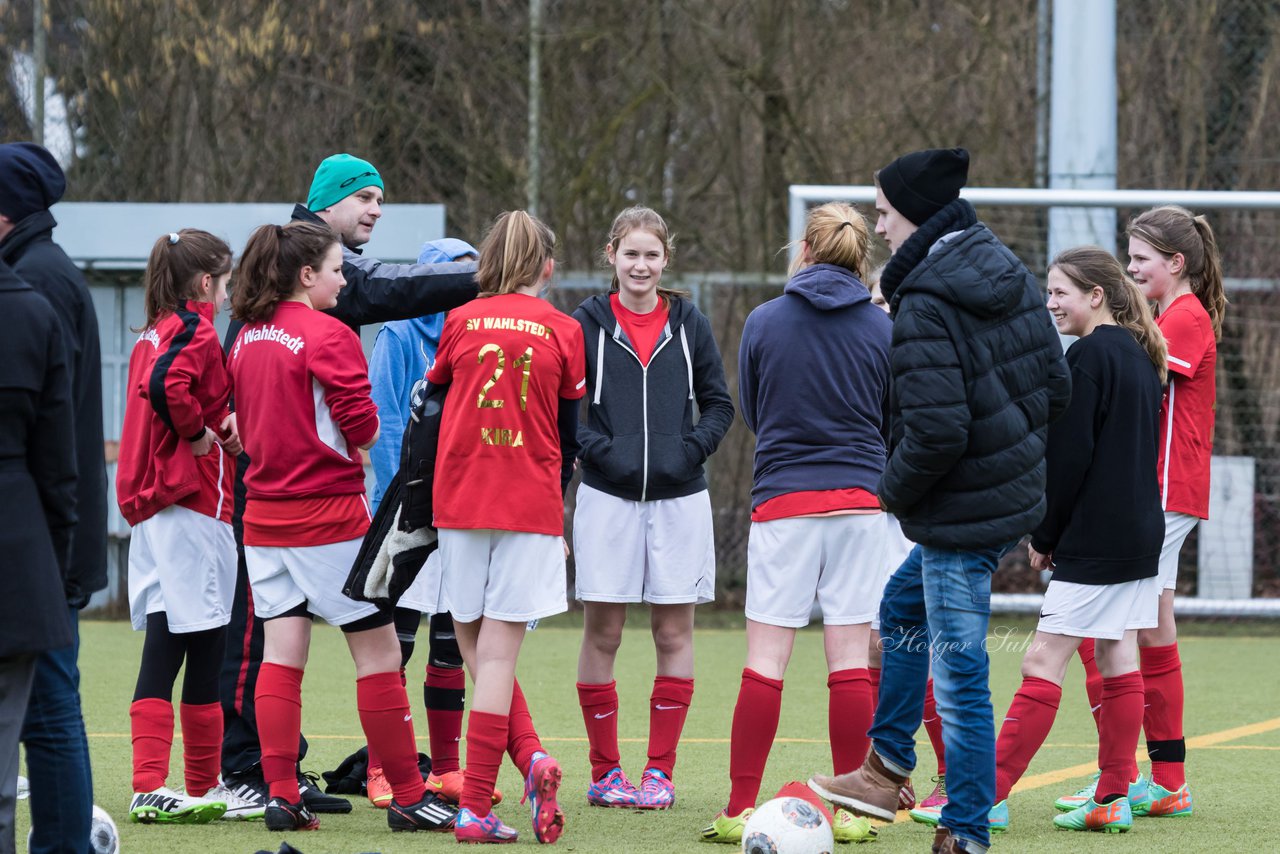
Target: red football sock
[
  {"x": 1026, "y": 726},
  {"x": 1122, "y": 700},
  {"x": 278, "y": 702},
  {"x": 1092, "y": 681},
  {"x": 444, "y": 692},
  {"x": 151, "y": 728},
  {"x": 874, "y": 673},
  {"x": 486, "y": 738},
  {"x": 375, "y": 761},
  {"x": 933, "y": 726},
  {"x": 1162, "y": 677},
  {"x": 849, "y": 713},
  {"x": 755, "y": 722},
  {"x": 599, "y": 704},
  {"x": 522, "y": 738},
  {"x": 388, "y": 726},
  {"x": 668, "y": 708},
  {"x": 201, "y": 745}
]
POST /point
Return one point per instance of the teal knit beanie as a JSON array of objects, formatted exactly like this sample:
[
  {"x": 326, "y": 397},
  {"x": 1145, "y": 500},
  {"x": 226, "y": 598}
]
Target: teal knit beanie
[{"x": 338, "y": 177}]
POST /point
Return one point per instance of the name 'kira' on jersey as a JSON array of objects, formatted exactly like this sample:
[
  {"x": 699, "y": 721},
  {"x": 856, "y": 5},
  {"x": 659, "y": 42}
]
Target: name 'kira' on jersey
[{"x": 502, "y": 437}]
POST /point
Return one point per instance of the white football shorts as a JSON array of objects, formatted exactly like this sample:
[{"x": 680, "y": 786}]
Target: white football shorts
[
  {"x": 1177, "y": 526},
  {"x": 1100, "y": 610},
  {"x": 283, "y": 577},
  {"x": 842, "y": 560},
  {"x": 182, "y": 563},
  {"x": 512, "y": 576},
  {"x": 662, "y": 552}
]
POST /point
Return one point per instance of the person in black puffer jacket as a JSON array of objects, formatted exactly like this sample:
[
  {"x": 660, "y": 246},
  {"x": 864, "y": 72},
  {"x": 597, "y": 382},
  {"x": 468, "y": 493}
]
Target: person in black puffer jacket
[{"x": 978, "y": 375}]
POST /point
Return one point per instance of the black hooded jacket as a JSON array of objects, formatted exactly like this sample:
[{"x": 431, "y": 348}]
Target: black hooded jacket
[
  {"x": 978, "y": 374},
  {"x": 640, "y": 441},
  {"x": 29, "y": 249}
]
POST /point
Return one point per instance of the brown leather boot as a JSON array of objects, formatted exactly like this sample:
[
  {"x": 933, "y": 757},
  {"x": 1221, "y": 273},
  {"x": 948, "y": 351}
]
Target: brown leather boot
[{"x": 871, "y": 790}]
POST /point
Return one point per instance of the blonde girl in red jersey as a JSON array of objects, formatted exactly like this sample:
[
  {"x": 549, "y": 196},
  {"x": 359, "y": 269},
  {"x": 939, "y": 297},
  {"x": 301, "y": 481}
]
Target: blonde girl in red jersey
[
  {"x": 1173, "y": 256},
  {"x": 305, "y": 412},
  {"x": 642, "y": 525},
  {"x": 514, "y": 368},
  {"x": 173, "y": 484}
]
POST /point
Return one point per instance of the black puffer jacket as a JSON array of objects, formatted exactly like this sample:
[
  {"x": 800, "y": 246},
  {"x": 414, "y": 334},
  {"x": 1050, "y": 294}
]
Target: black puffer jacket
[
  {"x": 641, "y": 441},
  {"x": 29, "y": 249},
  {"x": 978, "y": 374}
]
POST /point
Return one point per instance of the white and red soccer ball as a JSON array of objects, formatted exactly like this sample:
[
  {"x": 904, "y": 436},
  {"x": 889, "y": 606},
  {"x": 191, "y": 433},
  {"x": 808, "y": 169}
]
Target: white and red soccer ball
[{"x": 787, "y": 826}]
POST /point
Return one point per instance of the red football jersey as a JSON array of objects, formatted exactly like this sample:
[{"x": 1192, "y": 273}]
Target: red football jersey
[
  {"x": 508, "y": 359},
  {"x": 1186, "y": 416},
  {"x": 302, "y": 404}
]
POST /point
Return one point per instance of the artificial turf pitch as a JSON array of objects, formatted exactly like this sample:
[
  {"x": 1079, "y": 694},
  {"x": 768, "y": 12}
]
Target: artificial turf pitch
[{"x": 1232, "y": 725}]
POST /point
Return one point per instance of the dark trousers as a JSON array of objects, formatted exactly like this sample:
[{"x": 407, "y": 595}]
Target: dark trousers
[
  {"x": 16, "y": 673},
  {"x": 58, "y": 753},
  {"x": 241, "y": 750}
]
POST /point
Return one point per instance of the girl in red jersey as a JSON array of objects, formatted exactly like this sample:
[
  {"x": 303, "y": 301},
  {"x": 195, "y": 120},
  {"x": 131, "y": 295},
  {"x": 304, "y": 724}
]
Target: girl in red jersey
[
  {"x": 1173, "y": 256},
  {"x": 642, "y": 525},
  {"x": 302, "y": 399},
  {"x": 514, "y": 368},
  {"x": 1101, "y": 533},
  {"x": 173, "y": 484},
  {"x": 813, "y": 381}
]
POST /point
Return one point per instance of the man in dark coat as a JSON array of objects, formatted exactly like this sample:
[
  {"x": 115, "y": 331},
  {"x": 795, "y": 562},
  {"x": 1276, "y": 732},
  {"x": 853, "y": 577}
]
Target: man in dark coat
[
  {"x": 346, "y": 194},
  {"x": 57, "y": 749},
  {"x": 38, "y": 504},
  {"x": 978, "y": 374}
]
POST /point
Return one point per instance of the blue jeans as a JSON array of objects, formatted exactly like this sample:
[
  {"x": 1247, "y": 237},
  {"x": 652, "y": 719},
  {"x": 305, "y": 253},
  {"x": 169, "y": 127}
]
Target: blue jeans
[
  {"x": 58, "y": 754},
  {"x": 935, "y": 609}
]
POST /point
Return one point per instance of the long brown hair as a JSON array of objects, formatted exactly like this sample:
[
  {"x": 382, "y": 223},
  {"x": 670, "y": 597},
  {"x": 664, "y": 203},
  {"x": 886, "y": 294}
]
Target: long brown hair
[
  {"x": 272, "y": 264},
  {"x": 1172, "y": 230},
  {"x": 1090, "y": 267},
  {"x": 836, "y": 234},
  {"x": 177, "y": 262},
  {"x": 513, "y": 253},
  {"x": 641, "y": 218}
]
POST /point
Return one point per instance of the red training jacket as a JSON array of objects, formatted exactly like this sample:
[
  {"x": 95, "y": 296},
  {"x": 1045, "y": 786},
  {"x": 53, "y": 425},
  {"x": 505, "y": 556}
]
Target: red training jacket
[{"x": 178, "y": 385}]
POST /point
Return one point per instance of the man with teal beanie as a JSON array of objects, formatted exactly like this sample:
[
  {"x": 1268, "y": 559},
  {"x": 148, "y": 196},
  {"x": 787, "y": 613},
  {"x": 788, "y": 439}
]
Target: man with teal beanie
[
  {"x": 346, "y": 194},
  {"x": 337, "y": 177}
]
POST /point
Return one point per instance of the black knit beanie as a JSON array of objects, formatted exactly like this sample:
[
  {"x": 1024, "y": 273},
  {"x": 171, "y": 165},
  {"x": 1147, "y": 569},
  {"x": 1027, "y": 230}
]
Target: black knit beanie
[
  {"x": 31, "y": 178},
  {"x": 921, "y": 183}
]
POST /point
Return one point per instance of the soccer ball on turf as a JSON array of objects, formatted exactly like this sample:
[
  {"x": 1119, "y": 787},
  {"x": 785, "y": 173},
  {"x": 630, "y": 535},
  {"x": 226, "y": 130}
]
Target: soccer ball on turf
[
  {"x": 787, "y": 826},
  {"x": 103, "y": 836}
]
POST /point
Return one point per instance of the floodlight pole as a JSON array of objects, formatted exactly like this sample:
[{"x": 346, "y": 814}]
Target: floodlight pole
[
  {"x": 38, "y": 49},
  {"x": 1082, "y": 120},
  {"x": 535, "y": 105}
]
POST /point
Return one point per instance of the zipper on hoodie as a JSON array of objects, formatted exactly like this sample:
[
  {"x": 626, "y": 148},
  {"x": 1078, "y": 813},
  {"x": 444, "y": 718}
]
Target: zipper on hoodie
[{"x": 644, "y": 393}]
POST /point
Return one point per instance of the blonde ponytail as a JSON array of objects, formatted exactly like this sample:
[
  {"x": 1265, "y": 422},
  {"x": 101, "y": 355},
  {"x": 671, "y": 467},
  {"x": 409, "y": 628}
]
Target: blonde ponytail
[{"x": 513, "y": 253}]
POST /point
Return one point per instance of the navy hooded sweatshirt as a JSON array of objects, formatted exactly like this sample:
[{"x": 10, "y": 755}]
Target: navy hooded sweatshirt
[
  {"x": 644, "y": 440},
  {"x": 813, "y": 383}
]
